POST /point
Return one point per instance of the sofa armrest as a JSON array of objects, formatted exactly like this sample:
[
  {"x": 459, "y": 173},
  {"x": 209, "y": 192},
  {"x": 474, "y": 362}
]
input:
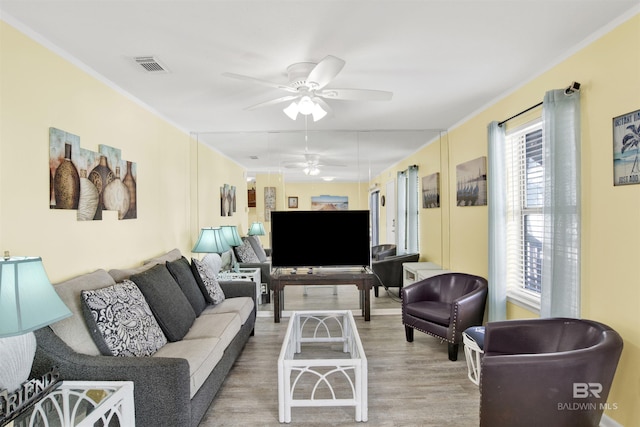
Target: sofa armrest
[{"x": 161, "y": 385}]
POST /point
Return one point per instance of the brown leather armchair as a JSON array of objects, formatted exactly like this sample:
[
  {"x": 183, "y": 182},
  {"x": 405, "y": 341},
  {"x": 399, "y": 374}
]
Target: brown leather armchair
[
  {"x": 389, "y": 271},
  {"x": 444, "y": 306},
  {"x": 547, "y": 372}
]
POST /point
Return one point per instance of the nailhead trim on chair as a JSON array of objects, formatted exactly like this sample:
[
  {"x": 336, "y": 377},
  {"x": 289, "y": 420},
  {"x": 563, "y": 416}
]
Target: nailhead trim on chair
[{"x": 453, "y": 340}]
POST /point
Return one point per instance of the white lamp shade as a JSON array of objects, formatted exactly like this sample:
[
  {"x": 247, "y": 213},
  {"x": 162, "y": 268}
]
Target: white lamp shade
[
  {"x": 231, "y": 235},
  {"x": 28, "y": 301},
  {"x": 211, "y": 240},
  {"x": 292, "y": 110},
  {"x": 256, "y": 229}
]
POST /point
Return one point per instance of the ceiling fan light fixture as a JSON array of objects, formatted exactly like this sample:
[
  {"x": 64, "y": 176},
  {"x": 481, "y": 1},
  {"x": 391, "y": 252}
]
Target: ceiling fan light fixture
[
  {"x": 311, "y": 170},
  {"x": 306, "y": 105},
  {"x": 292, "y": 110},
  {"x": 318, "y": 112}
]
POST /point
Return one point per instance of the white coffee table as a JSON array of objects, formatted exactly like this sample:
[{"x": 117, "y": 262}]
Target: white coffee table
[{"x": 319, "y": 375}]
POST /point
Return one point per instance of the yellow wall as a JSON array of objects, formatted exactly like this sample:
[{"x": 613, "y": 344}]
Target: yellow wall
[
  {"x": 38, "y": 90},
  {"x": 609, "y": 71}
]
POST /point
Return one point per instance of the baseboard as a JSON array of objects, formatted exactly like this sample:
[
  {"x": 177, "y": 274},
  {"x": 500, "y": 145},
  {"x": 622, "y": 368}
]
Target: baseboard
[{"x": 606, "y": 421}]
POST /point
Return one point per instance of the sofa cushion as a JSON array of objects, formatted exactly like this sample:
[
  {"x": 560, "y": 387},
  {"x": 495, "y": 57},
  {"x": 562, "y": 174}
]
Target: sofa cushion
[
  {"x": 181, "y": 272},
  {"x": 121, "y": 322},
  {"x": 254, "y": 241},
  {"x": 73, "y": 330},
  {"x": 208, "y": 285},
  {"x": 125, "y": 273},
  {"x": 168, "y": 304},
  {"x": 202, "y": 355},
  {"x": 243, "y": 306},
  {"x": 433, "y": 311},
  {"x": 224, "y": 326},
  {"x": 213, "y": 264},
  {"x": 246, "y": 253}
]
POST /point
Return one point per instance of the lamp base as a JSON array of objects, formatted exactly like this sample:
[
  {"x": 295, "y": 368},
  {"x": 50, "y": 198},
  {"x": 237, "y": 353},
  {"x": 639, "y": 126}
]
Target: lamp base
[{"x": 17, "y": 355}]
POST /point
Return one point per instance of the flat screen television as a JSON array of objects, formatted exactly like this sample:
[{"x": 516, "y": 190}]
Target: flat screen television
[{"x": 320, "y": 238}]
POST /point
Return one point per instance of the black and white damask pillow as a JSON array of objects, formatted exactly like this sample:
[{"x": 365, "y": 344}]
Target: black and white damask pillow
[
  {"x": 212, "y": 290},
  {"x": 121, "y": 322},
  {"x": 246, "y": 253}
]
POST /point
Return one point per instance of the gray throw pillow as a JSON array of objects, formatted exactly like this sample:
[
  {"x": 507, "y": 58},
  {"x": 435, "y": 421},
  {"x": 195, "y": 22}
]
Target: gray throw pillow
[
  {"x": 168, "y": 304},
  {"x": 121, "y": 322},
  {"x": 181, "y": 272}
]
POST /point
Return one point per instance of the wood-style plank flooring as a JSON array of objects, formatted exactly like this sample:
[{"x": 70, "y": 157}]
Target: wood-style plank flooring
[{"x": 410, "y": 384}]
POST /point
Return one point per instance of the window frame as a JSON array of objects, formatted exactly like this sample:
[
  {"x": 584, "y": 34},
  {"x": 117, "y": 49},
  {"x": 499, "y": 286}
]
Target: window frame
[{"x": 517, "y": 293}]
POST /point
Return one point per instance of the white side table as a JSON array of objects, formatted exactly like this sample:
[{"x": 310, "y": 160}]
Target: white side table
[
  {"x": 411, "y": 271},
  {"x": 83, "y": 404},
  {"x": 252, "y": 274}
]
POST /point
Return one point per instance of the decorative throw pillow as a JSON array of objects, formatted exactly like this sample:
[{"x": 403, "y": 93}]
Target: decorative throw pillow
[
  {"x": 254, "y": 241},
  {"x": 181, "y": 272},
  {"x": 246, "y": 253},
  {"x": 208, "y": 284},
  {"x": 227, "y": 260},
  {"x": 121, "y": 322},
  {"x": 213, "y": 264},
  {"x": 167, "y": 301}
]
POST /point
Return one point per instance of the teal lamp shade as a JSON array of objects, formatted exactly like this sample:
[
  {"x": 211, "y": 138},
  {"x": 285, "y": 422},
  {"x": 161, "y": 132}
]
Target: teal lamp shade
[
  {"x": 211, "y": 240},
  {"x": 27, "y": 298},
  {"x": 256, "y": 229},
  {"x": 27, "y": 302},
  {"x": 230, "y": 233}
]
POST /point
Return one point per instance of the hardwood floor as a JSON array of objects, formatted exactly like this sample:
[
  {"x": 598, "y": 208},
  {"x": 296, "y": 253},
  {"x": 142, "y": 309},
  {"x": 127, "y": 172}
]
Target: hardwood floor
[{"x": 410, "y": 384}]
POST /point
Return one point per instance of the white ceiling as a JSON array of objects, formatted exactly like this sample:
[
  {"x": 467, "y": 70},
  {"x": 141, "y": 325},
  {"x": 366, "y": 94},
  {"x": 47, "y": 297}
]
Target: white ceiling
[{"x": 443, "y": 60}]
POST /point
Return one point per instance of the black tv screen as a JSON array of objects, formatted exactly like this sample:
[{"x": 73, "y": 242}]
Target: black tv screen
[{"x": 320, "y": 238}]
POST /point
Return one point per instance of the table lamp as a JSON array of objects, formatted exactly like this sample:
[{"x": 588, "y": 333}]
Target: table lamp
[
  {"x": 211, "y": 240},
  {"x": 28, "y": 302},
  {"x": 232, "y": 236},
  {"x": 256, "y": 229}
]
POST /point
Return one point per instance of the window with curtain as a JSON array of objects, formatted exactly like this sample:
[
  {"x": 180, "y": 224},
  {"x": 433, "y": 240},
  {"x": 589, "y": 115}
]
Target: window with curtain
[
  {"x": 525, "y": 220},
  {"x": 407, "y": 211}
]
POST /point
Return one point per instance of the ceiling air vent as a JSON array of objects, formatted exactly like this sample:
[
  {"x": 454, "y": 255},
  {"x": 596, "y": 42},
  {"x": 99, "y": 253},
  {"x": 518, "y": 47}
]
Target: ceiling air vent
[{"x": 151, "y": 64}]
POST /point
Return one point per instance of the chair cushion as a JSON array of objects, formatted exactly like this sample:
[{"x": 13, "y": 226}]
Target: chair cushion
[
  {"x": 433, "y": 311},
  {"x": 181, "y": 272},
  {"x": 121, "y": 321},
  {"x": 167, "y": 301}
]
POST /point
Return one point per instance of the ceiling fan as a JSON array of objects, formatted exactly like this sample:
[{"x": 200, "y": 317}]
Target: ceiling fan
[
  {"x": 307, "y": 85},
  {"x": 311, "y": 164}
]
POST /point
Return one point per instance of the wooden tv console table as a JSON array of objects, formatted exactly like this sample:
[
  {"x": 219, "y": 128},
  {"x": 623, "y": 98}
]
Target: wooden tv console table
[{"x": 363, "y": 278}]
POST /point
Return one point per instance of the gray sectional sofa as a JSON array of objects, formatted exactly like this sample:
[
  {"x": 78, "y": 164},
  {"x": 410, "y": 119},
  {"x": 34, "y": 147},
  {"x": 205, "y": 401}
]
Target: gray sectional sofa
[{"x": 176, "y": 372}]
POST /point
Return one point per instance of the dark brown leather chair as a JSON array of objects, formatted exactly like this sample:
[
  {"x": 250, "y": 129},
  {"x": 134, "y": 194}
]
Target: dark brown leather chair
[
  {"x": 444, "y": 306},
  {"x": 547, "y": 372},
  {"x": 379, "y": 252},
  {"x": 389, "y": 271}
]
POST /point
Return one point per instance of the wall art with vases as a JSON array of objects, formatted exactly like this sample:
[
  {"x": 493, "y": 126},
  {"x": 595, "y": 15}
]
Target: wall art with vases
[{"x": 90, "y": 182}]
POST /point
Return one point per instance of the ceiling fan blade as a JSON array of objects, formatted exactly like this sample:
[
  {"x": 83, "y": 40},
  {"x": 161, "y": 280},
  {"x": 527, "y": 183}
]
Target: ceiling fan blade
[
  {"x": 355, "y": 94},
  {"x": 325, "y": 71},
  {"x": 260, "y": 81},
  {"x": 272, "y": 102}
]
